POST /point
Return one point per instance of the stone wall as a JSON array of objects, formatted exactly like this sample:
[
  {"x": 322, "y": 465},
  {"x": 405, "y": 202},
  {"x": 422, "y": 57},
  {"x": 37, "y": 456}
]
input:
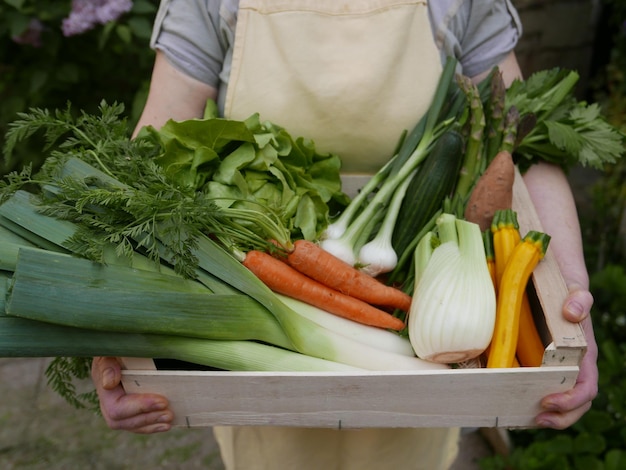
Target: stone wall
[{"x": 558, "y": 33}]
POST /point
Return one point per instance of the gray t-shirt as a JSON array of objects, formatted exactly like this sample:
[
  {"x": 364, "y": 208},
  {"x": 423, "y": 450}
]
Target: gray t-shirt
[{"x": 197, "y": 36}]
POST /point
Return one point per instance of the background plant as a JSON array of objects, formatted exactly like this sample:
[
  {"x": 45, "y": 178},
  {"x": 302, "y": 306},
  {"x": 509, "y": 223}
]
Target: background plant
[{"x": 85, "y": 50}]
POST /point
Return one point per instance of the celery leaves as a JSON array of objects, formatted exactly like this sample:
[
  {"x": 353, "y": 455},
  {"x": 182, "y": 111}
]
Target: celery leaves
[{"x": 567, "y": 132}]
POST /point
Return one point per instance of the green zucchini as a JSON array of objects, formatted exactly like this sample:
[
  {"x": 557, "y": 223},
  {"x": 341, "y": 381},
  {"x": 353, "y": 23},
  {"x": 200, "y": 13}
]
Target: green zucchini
[{"x": 435, "y": 179}]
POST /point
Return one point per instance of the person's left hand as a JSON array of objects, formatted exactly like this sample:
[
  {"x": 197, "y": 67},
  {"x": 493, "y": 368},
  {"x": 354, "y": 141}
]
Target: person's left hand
[{"x": 561, "y": 410}]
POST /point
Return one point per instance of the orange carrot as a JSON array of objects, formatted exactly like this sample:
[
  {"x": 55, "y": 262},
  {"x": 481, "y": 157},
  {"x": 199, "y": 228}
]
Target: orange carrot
[
  {"x": 317, "y": 263},
  {"x": 282, "y": 278},
  {"x": 493, "y": 191}
]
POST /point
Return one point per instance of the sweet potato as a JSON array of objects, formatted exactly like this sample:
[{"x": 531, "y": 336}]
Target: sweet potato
[{"x": 493, "y": 191}]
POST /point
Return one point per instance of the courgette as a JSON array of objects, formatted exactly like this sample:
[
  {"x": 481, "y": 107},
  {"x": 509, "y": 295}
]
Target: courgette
[{"x": 435, "y": 179}]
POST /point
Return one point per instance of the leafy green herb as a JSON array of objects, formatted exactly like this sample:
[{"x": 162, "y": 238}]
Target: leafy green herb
[
  {"x": 567, "y": 132},
  {"x": 244, "y": 183},
  {"x": 63, "y": 373}
]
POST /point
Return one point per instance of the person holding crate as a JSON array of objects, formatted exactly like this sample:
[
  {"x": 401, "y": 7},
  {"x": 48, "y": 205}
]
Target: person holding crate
[{"x": 350, "y": 75}]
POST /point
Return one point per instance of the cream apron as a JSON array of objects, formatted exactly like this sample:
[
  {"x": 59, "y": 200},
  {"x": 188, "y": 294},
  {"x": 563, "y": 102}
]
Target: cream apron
[{"x": 351, "y": 75}]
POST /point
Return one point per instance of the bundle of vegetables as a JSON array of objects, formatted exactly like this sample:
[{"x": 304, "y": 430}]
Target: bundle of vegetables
[
  {"x": 168, "y": 262},
  {"x": 535, "y": 120},
  {"x": 236, "y": 212},
  {"x": 469, "y": 131},
  {"x": 460, "y": 161},
  {"x": 363, "y": 233},
  {"x": 253, "y": 165}
]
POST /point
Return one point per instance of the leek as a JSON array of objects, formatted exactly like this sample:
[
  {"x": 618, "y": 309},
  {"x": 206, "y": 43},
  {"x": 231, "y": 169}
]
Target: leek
[
  {"x": 28, "y": 338},
  {"x": 125, "y": 300},
  {"x": 116, "y": 298},
  {"x": 381, "y": 339},
  {"x": 452, "y": 315}
]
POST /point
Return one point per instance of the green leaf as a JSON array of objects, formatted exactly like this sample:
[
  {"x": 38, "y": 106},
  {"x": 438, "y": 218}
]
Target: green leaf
[
  {"x": 588, "y": 462},
  {"x": 140, "y": 27},
  {"x": 589, "y": 443},
  {"x": 143, "y": 6},
  {"x": 63, "y": 373},
  {"x": 17, "y": 4},
  {"x": 596, "y": 421},
  {"x": 223, "y": 194},
  {"x": 124, "y": 33},
  {"x": 306, "y": 217},
  {"x": 234, "y": 162},
  {"x": 615, "y": 459},
  {"x": 568, "y": 131},
  {"x": 564, "y": 136},
  {"x": 18, "y": 23}
]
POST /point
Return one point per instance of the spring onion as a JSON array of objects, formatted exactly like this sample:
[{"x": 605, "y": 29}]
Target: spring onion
[{"x": 360, "y": 220}]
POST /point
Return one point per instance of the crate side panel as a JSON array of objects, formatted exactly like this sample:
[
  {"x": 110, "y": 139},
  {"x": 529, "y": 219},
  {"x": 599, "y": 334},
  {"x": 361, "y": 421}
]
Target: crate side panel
[
  {"x": 547, "y": 279},
  {"x": 468, "y": 397}
]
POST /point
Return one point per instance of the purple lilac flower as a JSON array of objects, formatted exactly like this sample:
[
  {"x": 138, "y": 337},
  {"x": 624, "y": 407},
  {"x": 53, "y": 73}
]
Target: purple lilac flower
[
  {"x": 31, "y": 35},
  {"x": 86, "y": 14}
]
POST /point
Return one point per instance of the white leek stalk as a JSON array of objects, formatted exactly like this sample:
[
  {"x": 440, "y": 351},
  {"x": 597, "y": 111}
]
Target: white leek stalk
[
  {"x": 453, "y": 311},
  {"x": 377, "y": 338}
]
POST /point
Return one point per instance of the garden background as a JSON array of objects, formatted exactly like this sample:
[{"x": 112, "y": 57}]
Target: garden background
[{"x": 49, "y": 56}]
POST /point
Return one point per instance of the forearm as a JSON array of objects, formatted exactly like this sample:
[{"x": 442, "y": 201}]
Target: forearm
[
  {"x": 552, "y": 197},
  {"x": 173, "y": 95}
]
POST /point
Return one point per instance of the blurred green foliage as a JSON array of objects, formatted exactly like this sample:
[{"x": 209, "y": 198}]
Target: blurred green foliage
[{"x": 111, "y": 62}]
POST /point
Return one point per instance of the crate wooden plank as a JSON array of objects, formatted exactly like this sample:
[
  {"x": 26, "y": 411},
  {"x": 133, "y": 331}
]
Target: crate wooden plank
[
  {"x": 462, "y": 397},
  {"x": 568, "y": 340}
]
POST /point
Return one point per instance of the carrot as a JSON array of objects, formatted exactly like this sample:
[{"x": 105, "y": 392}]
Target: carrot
[
  {"x": 493, "y": 190},
  {"x": 317, "y": 263},
  {"x": 282, "y": 278}
]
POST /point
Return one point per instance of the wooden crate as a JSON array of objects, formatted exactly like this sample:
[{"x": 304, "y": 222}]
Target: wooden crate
[{"x": 488, "y": 398}]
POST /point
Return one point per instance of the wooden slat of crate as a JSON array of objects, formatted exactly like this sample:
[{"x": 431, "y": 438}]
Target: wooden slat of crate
[
  {"x": 468, "y": 397},
  {"x": 567, "y": 339}
]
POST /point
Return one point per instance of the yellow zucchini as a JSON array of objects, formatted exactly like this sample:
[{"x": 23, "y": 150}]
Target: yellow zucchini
[{"x": 511, "y": 291}]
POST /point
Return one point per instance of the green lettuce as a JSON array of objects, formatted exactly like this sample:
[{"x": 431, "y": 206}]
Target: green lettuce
[{"x": 253, "y": 164}]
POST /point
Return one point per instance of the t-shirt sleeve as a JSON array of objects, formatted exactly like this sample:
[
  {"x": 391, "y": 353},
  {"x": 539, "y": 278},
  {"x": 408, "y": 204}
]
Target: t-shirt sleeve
[
  {"x": 188, "y": 33},
  {"x": 480, "y": 34}
]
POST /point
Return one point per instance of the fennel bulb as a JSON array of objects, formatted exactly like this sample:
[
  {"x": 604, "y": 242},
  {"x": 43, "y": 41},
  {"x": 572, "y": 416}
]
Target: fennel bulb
[{"x": 453, "y": 312}]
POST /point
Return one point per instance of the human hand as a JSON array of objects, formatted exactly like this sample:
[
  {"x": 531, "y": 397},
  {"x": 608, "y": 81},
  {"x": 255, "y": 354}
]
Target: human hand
[
  {"x": 561, "y": 410},
  {"x": 142, "y": 413}
]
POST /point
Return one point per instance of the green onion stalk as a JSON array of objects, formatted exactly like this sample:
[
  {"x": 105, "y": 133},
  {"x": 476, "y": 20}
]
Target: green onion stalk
[{"x": 345, "y": 237}]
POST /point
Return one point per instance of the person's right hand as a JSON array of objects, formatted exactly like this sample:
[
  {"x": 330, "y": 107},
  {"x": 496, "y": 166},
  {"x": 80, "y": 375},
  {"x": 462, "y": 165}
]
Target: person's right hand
[{"x": 142, "y": 413}]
